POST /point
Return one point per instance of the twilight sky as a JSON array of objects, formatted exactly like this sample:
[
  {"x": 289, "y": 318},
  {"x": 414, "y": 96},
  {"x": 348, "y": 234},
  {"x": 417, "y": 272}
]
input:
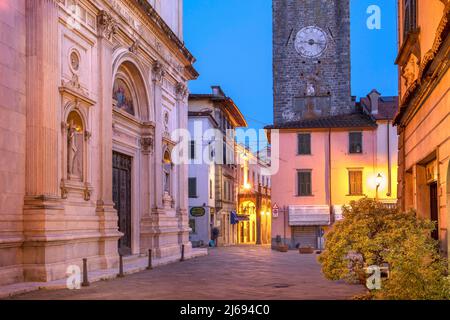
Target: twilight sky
[{"x": 232, "y": 41}]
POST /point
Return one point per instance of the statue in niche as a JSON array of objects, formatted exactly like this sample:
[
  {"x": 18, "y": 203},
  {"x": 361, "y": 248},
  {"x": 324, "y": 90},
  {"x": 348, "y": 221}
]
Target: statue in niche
[
  {"x": 311, "y": 82},
  {"x": 167, "y": 169},
  {"x": 74, "y": 147}
]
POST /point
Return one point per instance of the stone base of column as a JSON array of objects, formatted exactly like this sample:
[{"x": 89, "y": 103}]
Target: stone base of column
[{"x": 57, "y": 236}]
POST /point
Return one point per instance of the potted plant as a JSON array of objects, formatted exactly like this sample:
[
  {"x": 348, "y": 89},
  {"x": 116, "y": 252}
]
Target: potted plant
[
  {"x": 306, "y": 250},
  {"x": 283, "y": 247}
]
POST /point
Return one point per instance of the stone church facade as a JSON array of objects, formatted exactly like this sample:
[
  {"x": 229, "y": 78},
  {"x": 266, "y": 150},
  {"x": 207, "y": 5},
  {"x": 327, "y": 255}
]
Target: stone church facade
[{"x": 90, "y": 92}]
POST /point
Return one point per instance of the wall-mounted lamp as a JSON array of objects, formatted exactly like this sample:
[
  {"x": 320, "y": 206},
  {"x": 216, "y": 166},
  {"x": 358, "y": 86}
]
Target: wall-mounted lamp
[{"x": 378, "y": 181}]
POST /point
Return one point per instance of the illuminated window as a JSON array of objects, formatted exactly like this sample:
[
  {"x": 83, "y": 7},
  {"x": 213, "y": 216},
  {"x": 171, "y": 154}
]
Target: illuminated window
[
  {"x": 355, "y": 182},
  {"x": 355, "y": 142}
]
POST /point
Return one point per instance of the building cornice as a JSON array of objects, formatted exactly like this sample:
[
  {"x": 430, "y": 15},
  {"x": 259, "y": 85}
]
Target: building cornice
[{"x": 432, "y": 67}]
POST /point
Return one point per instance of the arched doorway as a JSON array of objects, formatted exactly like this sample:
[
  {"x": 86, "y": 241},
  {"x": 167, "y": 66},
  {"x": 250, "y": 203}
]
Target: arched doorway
[
  {"x": 247, "y": 223},
  {"x": 130, "y": 112}
]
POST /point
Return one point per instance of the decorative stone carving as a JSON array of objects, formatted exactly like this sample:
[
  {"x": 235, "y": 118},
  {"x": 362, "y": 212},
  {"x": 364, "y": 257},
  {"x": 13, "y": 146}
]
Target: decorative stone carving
[
  {"x": 312, "y": 83},
  {"x": 134, "y": 47},
  {"x": 410, "y": 72},
  {"x": 106, "y": 25},
  {"x": 64, "y": 190},
  {"x": 74, "y": 84},
  {"x": 147, "y": 144},
  {"x": 87, "y": 135},
  {"x": 181, "y": 90},
  {"x": 158, "y": 72},
  {"x": 87, "y": 193},
  {"x": 75, "y": 146}
]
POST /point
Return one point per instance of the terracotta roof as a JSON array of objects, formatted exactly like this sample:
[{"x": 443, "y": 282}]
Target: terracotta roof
[
  {"x": 387, "y": 107},
  {"x": 236, "y": 116},
  {"x": 354, "y": 120}
]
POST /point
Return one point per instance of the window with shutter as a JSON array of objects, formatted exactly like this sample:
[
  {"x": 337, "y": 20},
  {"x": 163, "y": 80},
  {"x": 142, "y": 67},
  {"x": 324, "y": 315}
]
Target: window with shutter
[
  {"x": 410, "y": 21},
  {"x": 304, "y": 183},
  {"x": 304, "y": 144},
  {"x": 192, "y": 187},
  {"x": 355, "y": 142},
  {"x": 192, "y": 150},
  {"x": 355, "y": 182}
]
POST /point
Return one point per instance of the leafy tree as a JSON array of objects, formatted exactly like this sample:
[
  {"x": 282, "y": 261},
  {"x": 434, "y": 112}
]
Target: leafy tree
[{"x": 371, "y": 234}]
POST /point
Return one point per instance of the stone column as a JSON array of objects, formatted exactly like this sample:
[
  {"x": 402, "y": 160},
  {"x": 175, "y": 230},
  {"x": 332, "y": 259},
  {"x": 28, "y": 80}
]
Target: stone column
[
  {"x": 108, "y": 226},
  {"x": 42, "y": 101},
  {"x": 258, "y": 216},
  {"x": 157, "y": 77},
  {"x": 42, "y": 206},
  {"x": 182, "y": 194}
]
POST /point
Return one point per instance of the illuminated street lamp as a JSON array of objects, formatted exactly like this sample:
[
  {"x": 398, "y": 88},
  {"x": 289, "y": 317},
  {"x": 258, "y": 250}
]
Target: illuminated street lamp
[{"x": 378, "y": 181}]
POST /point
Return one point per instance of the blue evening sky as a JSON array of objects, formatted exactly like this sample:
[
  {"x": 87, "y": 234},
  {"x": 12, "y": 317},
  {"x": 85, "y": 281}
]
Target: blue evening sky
[{"x": 232, "y": 41}]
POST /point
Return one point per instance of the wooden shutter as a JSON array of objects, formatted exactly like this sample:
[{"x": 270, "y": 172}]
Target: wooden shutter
[
  {"x": 355, "y": 182},
  {"x": 192, "y": 187},
  {"x": 304, "y": 143},
  {"x": 304, "y": 183}
]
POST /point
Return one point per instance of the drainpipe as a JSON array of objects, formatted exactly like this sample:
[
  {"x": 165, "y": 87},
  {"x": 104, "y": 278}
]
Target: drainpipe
[
  {"x": 329, "y": 175},
  {"x": 389, "y": 159}
]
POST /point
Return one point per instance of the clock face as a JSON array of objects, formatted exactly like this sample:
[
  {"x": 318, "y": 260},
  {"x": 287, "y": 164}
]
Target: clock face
[{"x": 311, "y": 42}]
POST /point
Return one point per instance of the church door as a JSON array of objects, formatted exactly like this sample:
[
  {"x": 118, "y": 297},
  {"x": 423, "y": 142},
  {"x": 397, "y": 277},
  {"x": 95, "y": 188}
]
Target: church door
[{"x": 122, "y": 198}]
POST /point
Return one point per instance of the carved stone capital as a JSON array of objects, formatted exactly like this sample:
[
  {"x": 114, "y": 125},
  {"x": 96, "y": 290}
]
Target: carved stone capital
[
  {"x": 106, "y": 25},
  {"x": 147, "y": 144},
  {"x": 135, "y": 46},
  {"x": 158, "y": 72},
  {"x": 181, "y": 90}
]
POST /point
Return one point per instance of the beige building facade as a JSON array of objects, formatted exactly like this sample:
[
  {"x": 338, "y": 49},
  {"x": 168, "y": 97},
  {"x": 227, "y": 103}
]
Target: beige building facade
[
  {"x": 254, "y": 210},
  {"x": 90, "y": 93},
  {"x": 423, "y": 119}
]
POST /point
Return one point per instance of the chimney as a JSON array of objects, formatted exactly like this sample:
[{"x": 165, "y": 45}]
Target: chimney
[
  {"x": 374, "y": 97},
  {"x": 217, "y": 91}
]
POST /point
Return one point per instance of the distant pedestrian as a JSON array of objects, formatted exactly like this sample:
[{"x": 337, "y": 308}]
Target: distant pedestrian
[{"x": 215, "y": 235}]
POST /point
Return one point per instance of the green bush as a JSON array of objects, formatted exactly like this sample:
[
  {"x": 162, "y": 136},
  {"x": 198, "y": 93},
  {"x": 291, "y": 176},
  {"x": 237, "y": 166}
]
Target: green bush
[{"x": 371, "y": 234}]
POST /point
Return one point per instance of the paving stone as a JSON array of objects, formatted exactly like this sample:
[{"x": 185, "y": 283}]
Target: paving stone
[{"x": 230, "y": 273}]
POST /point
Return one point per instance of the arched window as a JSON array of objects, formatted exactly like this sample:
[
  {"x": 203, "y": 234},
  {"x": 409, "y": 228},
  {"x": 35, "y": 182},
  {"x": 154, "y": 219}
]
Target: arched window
[
  {"x": 122, "y": 95},
  {"x": 75, "y": 146}
]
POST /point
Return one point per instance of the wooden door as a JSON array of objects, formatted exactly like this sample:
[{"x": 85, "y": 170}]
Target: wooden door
[
  {"x": 122, "y": 198},
  {"x": 434, "y": 210}
]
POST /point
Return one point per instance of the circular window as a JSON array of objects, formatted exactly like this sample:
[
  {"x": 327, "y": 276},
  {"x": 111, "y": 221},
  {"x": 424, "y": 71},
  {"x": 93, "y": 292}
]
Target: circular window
[{"x": 74, "y": 61}]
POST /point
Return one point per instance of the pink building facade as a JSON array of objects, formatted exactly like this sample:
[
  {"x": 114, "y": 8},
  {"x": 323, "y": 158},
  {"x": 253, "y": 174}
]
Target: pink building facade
[{"x": 327, "y": 162}]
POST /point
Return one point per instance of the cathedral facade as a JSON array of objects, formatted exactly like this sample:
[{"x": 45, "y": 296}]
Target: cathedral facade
[{"x": 91, "y": 91}]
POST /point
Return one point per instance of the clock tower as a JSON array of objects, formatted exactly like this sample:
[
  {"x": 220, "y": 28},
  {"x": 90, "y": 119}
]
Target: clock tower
[{"x": 311, "y": 59}]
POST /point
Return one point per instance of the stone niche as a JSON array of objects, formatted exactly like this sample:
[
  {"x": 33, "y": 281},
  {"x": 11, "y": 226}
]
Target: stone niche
[{"x": 311, "y": 107}]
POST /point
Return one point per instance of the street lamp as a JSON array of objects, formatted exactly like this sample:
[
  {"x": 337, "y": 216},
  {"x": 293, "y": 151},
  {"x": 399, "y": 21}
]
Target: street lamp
[{"x": 378, "y": 180}]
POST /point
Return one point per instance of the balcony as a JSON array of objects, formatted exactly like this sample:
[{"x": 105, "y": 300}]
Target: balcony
[{"x": 309, "y": 215}]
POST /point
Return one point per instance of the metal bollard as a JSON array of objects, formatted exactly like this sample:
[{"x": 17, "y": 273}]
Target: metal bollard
[
  {"x": 150, "y": 267},
  {"x": 182, "y": 252},
  {"x": 120, "y": 275},
  {"x": 85, "y": 282}
]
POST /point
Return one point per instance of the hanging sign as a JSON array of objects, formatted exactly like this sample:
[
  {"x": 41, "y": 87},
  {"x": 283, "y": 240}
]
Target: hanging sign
[{"x": 198, "y": 211}]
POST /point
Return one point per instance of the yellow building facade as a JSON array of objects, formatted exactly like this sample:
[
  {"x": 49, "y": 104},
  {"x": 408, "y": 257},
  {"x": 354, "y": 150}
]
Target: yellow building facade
[{"x": 423, "y": 119}]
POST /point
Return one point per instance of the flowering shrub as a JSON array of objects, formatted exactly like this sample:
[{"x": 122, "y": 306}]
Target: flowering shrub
[{"x": 372, "y": 235}]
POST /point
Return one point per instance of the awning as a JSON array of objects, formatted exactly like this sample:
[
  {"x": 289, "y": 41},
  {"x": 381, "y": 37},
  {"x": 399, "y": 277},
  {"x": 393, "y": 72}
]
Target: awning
[
  {"x": 309, "y": 215},
  {"x": 241, "y": 217}
]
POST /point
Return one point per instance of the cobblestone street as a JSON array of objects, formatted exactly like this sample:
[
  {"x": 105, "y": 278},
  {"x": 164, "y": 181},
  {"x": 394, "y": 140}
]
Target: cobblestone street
[{"x": 231, "y": 273}]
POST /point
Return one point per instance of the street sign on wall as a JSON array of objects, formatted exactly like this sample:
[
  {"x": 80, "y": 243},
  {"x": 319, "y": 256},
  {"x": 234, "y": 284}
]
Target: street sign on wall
[
  {"x": 198, "y": 211},
  {"x": 275, "y": 210}
]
